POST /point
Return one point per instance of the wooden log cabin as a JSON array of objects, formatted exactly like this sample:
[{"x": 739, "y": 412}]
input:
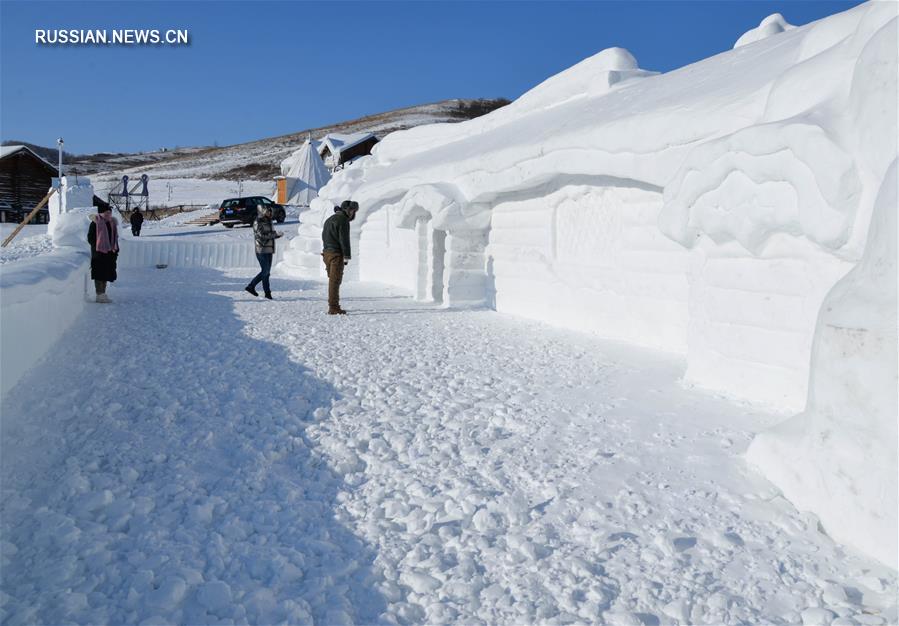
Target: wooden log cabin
[{"x": 25, "y": 178}]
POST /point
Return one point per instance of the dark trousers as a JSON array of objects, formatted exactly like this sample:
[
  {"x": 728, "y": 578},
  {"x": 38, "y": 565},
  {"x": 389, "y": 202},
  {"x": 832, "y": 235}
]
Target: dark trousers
[
  {"x": 334, "y": 266},
  {"x": 265, "y": 262},
  {"x": 135, "y": 230}
]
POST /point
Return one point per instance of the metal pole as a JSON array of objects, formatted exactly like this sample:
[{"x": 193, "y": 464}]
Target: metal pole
[{"x": 60, "y": 143}]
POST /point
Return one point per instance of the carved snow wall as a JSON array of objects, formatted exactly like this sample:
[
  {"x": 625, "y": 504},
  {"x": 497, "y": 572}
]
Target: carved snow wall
[{"x": 591, "y": 258}]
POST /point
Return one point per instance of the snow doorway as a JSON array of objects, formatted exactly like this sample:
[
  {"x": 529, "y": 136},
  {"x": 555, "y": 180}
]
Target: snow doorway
[{"x": 430, "y": 283}]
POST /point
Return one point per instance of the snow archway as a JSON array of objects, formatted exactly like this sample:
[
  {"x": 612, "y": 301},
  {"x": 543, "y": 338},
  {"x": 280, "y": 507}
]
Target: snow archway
[{"x": 432, "y": 242}]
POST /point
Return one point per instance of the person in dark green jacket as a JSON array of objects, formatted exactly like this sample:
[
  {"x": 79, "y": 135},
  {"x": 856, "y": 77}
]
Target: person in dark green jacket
[{"x": 336, "y": 251}]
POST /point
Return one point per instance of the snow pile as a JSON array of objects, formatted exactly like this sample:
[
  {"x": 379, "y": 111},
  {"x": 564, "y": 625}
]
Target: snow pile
[
  {"x": 843, "y": 447},
  {"x": 774, "y": 24},
  {"x": 709, "y": 221}
]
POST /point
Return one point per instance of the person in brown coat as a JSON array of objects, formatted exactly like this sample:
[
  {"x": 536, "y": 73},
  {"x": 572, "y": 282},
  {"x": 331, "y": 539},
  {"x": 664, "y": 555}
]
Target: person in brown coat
[{"x": 336, "y": 251}]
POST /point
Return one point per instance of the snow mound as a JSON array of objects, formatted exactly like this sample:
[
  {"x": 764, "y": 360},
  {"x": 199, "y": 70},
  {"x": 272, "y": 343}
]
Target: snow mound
[
  {"x": 839, "y": 457},
  {"x": 774, "y": 24}
]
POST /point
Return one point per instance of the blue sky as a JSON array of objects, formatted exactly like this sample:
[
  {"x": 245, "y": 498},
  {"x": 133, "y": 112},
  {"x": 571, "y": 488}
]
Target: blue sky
[{"x": 260, "y": 69}]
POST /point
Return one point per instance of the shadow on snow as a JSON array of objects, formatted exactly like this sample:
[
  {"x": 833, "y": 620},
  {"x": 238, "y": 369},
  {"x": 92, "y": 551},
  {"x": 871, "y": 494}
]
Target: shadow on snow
[{"x": 156, "y": 464}]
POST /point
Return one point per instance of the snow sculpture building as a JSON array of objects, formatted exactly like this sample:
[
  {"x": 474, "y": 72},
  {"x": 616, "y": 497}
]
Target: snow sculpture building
[
  {"x": 708, "y": 212},
  {"x": 304, "y": 174}
]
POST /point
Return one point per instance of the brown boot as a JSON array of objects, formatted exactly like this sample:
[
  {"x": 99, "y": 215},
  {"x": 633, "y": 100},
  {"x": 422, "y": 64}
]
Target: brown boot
[{"x": 337, "y": 311}]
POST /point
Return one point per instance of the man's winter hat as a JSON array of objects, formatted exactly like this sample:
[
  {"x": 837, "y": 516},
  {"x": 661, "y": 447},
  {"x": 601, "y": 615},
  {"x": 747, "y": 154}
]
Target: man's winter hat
[
  {"x": 102, "y": 209},
  {"x": 349, "y": 205}
]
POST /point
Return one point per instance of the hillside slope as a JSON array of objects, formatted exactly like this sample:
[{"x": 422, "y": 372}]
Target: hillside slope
[{"x": 260, "y": 159}]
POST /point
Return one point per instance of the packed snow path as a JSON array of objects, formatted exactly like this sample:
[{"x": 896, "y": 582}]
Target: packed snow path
[{"x": 190, "y": 454}]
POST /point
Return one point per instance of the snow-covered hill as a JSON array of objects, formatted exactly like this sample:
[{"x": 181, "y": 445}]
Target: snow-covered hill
[{"x": 259, "y": 160}]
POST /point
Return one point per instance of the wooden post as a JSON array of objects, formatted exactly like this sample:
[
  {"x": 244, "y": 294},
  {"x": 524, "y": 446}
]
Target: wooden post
[{"x": 28, "y": 218}]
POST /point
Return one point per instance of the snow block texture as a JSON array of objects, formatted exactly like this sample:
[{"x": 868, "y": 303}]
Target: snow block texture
[
  {"x": 145, "y": 252},
  {"x": 839, "y": 457}
]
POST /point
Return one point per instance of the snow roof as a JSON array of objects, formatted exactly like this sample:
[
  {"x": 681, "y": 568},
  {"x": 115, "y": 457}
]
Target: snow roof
[
  {"x": 337, "y": 142},
  {"x": 6, "y": 151}
]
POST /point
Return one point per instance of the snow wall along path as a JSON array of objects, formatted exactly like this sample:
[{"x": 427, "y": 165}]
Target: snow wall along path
[
  {"x": 42, "y": 296},
  {"x": 708, "y": 211},
  {"x": 145, "y": 252}
]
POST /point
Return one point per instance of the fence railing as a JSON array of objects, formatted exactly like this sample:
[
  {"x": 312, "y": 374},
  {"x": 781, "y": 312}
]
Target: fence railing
[{"x": 160, "y": 212}]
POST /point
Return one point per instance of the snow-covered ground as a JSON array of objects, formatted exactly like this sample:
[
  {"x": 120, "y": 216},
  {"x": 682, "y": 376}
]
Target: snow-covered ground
[
  {"x": 262, "y": 462},
  {"x": 31, "y": 241},
  {"x": 34, "y": 239}
]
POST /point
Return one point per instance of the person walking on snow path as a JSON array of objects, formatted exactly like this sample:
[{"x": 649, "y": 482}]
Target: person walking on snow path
[
  {"x": 103, "y": 236},
  {"x": 264, "y": 235},
  {"x": 336, "y": 250},
  {"x": 137, "y": 220}
]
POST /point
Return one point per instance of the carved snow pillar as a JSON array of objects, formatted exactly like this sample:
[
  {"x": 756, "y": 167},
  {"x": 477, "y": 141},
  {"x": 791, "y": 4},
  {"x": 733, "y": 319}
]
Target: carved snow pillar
[
  {"x": 437, "y": 265},
  {"x": 351, "y": 271},
  {"x": 465, "y": 281},
  {"x": 422, "y": 229}
]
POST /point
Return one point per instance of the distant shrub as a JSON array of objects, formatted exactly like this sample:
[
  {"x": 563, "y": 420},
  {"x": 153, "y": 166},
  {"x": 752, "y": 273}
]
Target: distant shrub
[{"x": 469, "y": 109}]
